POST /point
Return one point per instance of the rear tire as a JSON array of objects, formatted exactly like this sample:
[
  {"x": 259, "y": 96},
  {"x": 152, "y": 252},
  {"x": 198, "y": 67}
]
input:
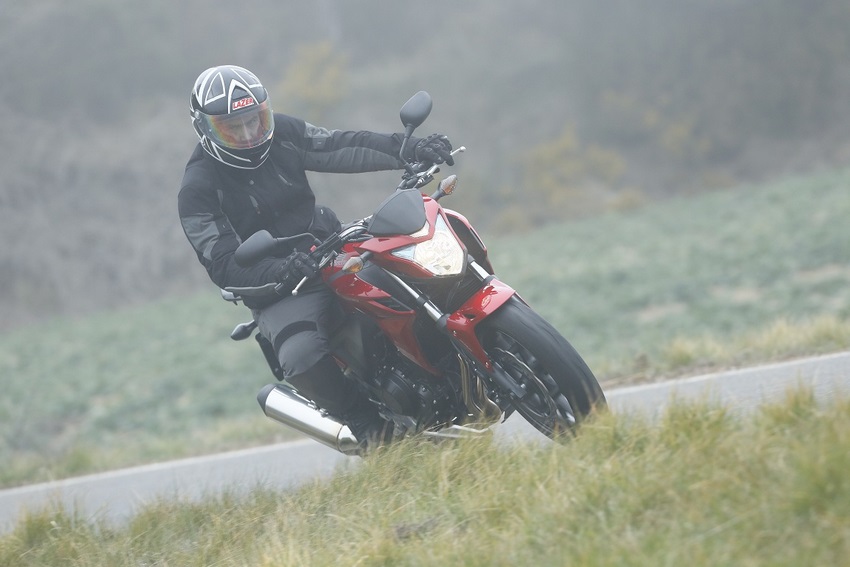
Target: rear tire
[{"x": 562, "y": 390}]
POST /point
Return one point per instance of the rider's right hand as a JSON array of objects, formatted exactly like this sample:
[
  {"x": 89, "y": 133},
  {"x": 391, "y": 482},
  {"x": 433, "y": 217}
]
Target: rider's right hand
[{"x": 435, "y": 149}]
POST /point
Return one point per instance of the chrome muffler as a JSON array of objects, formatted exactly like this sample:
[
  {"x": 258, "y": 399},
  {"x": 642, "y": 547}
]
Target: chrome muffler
[{"x": 285, "y": 406}]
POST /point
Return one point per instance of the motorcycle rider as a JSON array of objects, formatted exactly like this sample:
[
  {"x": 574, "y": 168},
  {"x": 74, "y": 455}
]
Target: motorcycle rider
[{"x": 246, "y": 174}]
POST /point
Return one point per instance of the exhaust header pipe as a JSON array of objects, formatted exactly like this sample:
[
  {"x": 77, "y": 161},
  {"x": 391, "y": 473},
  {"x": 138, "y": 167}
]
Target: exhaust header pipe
[{"x": 285, "y": 406}]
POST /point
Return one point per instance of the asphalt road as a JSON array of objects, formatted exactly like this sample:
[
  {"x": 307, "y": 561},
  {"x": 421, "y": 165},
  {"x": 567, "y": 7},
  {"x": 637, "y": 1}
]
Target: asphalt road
[{"x": 115, "y": 496}]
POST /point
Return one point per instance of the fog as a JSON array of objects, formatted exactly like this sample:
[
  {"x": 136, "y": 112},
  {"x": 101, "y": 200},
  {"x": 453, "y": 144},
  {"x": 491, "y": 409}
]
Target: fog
[{"x": 595, "y": 104}]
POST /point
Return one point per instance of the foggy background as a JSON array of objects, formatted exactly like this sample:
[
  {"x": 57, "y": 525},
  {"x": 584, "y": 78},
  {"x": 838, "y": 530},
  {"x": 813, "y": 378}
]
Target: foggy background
[{"x": 568, "y": 109}]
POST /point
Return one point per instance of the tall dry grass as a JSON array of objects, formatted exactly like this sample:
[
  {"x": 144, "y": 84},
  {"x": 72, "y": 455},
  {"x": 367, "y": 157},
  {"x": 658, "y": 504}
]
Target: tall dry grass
[{"x": 701, "y": 486}]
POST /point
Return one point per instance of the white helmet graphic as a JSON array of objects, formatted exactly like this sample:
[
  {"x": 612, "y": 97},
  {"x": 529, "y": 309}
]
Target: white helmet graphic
[{"x": 232, "y": 116}]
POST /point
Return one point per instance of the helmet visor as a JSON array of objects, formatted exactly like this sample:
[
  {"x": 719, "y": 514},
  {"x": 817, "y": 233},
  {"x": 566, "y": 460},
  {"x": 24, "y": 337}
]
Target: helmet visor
[{"x": 240, "y": 131}]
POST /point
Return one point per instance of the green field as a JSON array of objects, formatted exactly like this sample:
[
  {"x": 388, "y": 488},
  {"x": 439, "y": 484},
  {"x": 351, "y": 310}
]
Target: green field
[
  {"x": 721, "y": 279},
  {"x": 702, "y": 487}
]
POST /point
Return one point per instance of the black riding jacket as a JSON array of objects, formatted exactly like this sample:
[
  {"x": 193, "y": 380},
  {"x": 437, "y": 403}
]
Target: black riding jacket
[{"x": 220, "y": 206}]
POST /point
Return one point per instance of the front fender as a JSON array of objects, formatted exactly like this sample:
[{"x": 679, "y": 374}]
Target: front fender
[{"x": 462, "y": 323}]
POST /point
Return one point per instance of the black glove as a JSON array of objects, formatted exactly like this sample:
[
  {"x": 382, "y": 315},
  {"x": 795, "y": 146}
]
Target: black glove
[
  {"x": 296, "y": 266},
  {"x": 436, "y": 148}
]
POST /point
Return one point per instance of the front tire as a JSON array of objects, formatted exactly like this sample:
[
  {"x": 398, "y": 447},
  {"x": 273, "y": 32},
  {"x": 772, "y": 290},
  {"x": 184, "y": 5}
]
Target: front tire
[{"x": 561, "y": 389}]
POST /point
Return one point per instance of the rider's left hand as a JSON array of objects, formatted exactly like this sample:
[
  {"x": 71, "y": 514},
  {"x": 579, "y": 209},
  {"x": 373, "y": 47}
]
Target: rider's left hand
[
  {"x": 296, "y": 266},
  {"x": 436, "y": 149}
]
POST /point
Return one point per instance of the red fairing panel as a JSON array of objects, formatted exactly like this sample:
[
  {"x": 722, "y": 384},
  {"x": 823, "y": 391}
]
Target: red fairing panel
[
  {"x": 356, "y": 294},
  {"x": 454, "y": 214},
  {"x": 485, "y": 302}
]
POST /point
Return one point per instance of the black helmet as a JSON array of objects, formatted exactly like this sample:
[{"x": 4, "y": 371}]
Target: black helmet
[{"x": 232, "y": 116}]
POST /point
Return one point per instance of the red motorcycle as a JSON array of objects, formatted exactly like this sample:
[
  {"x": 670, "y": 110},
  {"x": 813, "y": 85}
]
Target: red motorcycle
[{"x": 437, "y": 341}]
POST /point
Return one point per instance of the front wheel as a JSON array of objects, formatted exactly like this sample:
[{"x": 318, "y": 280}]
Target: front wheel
[{"x": 560, "y": 388}]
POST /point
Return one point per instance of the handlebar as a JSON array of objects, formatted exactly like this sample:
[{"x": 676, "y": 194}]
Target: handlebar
[{"x": 415, "y": 177}]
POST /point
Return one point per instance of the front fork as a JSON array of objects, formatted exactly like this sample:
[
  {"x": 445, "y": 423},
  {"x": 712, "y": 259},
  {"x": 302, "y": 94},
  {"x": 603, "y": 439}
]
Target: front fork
[{"x": 460, "y": 325}]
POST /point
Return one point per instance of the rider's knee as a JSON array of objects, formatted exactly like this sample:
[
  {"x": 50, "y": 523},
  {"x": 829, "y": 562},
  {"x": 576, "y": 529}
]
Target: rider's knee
[{"x": 301, "y": 353}]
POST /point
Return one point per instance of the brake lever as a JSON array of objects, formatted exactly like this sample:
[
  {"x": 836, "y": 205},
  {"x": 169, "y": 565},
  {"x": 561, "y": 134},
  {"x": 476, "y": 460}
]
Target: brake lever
[{"x": 298, "y": 287}]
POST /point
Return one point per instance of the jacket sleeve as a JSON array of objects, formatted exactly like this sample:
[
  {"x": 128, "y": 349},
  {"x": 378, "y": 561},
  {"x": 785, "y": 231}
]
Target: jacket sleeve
[
  {"x": 214, "y": 240},
  {"x": 337, "y": 151}
]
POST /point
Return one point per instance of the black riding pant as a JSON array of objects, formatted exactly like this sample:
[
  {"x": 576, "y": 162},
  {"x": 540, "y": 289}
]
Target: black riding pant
[{"x": 299, "y": 327}]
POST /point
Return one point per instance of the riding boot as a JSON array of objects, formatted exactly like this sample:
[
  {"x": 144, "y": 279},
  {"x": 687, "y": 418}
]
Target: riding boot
[
  {"x": 326, "y": 385},
  {"x": 370, "y": 429}
]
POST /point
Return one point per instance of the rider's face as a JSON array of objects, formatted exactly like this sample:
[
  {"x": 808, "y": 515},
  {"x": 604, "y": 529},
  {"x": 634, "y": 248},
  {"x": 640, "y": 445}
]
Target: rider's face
[
  {"x": 241, "y": 130},
  {"x": 245, "y": 131}
]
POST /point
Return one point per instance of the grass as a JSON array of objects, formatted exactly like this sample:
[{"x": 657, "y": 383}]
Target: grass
[
  {"x": 141, "y": 385},
  {"x": 726, "y": 268},
  {"x": 701, "y": 486},
  {"x": 722, "y": 279}
]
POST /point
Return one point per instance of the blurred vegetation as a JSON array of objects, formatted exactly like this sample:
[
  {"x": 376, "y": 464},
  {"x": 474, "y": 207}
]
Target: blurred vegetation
[
  {"x": 315, "y": 83},
  {"x": 567, "y": 109},
  {"x": 753, "y": 274}
]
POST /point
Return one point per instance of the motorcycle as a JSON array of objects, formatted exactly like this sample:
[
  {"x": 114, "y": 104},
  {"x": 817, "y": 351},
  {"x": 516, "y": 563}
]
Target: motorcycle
[{"x": 439, "y": 343}]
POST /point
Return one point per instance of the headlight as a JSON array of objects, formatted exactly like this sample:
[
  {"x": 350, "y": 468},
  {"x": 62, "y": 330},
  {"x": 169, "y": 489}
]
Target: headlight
[{"x": 442, "y": 255}]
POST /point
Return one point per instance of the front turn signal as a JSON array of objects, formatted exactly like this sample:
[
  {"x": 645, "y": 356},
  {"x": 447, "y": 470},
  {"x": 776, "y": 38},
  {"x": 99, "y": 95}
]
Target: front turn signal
[{"x": 353, "y": 265}]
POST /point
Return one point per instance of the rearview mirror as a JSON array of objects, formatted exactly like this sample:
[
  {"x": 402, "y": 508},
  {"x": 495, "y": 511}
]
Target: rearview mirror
[
  {"x": 262, "y": 245},
  {"x": 416, "y": 110},
  {"x": 413, "y": 114},
  {"x": 259, "y": 245}
]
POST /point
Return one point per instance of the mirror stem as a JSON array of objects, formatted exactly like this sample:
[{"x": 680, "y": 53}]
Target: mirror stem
[{"x": 408, "y": 132}]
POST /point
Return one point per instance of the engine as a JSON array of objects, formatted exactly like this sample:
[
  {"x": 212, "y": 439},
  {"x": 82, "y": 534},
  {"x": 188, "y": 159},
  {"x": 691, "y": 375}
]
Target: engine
[{"x": 414, "y": 396}]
